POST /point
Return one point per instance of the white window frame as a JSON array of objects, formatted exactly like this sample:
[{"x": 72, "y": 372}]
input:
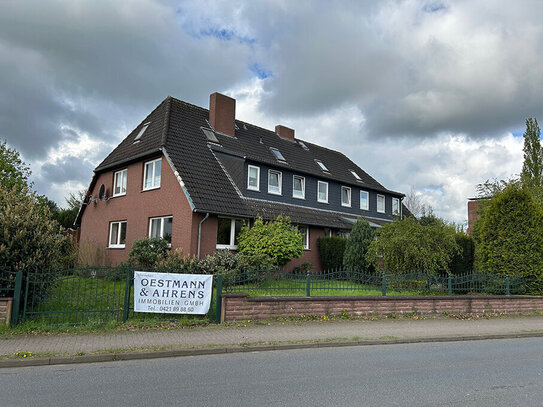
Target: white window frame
[
  {"x": 318, "y": 197},
  {"x": 232, "y": 245},
  {"x": 367, "y": 207},
  {"x": 117, "y": 245},
  {"x": 252, "y": 188},
  {"x": 279, "y": 181},
  {"x": 397, "y": 202},
  {"x": 123, "y": 174},
  {"x": 322, "y": 166},
  {"x": 306, "y": 245},
  {"x": 162, "y": 223},
  {"x": 303, "y": 187},
  {"x": 153, "y": 163},
  {"x": 347, "y": 204},
  {"x": 384, "y": 203}
]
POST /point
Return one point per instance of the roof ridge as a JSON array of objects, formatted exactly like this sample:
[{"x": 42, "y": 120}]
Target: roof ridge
[{"x": 166, "y": 125}]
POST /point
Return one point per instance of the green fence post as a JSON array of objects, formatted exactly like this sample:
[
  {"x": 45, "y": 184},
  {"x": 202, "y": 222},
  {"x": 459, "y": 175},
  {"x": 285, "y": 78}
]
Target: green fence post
[
  {"x": 384, "y": 285},
  {"x": 218, "y": 299},
  {"x": 449, "y": 284},
  {"x": 127, "y": 294},
  {"x": 507, "y": 286},
  {"x": 26, "y": 294},
  {"x": 14, "y": 319},
  {"x": 308, "y": 285}
]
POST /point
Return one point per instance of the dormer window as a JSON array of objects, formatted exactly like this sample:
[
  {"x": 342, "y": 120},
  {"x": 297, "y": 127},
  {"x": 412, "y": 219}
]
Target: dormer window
[
  {"x": 277, "y": 154},
  {"x": 356, "y": 175},
  {"x": 210, "y": 135},
  {"x": 138, "y": 137},
  {"x": 321, "y": 165}
]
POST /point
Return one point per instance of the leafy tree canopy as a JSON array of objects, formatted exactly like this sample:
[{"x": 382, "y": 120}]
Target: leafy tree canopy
[
  {"x": 406, "y": 246},
  {"x": 277, "y": 240},
  {"x": 13, "y": 171},
  {"x": 510, "y": 236}
]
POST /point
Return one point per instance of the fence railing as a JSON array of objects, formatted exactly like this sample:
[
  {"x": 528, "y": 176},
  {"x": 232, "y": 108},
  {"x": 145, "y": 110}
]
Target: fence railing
[
  {"x": 103, "y": 294},
  {"x": 341, "y": 282}
]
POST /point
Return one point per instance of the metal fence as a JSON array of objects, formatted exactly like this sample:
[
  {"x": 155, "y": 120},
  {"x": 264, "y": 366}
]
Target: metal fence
[
  {"x": 103, "y": 294},
  {"x": 341, "y": 282}
]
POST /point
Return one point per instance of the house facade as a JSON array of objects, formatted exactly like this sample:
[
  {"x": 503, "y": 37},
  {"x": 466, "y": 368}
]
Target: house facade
[{"x": 193, "y": 176}]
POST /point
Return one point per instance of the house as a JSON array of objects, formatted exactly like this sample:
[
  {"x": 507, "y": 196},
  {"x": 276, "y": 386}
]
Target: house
[{"x": 193, "y": 176}]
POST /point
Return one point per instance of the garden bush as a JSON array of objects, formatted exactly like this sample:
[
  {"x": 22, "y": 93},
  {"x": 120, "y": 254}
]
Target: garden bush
[
  {"x": 331, "y": 250},
  {"x": 147, "y": 252}
]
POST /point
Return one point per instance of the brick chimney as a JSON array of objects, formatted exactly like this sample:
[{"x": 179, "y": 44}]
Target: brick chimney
[
  {"x": 222, "y": 113},
  {"x": 284, "y": 132}
]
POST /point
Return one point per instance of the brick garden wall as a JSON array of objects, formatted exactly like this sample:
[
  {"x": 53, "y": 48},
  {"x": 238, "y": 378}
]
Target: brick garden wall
[
  {"x": 240, "y": 306},
  {"x": 5, "y": 310}
]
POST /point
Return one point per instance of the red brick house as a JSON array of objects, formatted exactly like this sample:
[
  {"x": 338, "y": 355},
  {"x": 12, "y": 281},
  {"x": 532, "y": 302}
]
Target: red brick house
[{"x": 193, "y": 176}]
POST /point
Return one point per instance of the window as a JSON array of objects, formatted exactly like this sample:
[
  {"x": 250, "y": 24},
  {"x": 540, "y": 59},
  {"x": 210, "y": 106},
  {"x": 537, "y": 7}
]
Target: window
[
  {"x": 321, "y": 165},
  {"x": 345, "y": 196},
  {"x": 137, "y": 139},
  {"x": 253, "y": 178},
  {"x": 302, "y": 144},
  {"x": 117, "y": 235},
  {"x": 395, "y": 206},
  {"x": 227, "y": 233},
  {"x": 161, "y": 227},
  {"x": 119, "y": 183},
  {"x": 356, "y": 175},
  {"x": 304, "y": 230},
  {"x": 327, "y": 232},
  {"x": 151, "y": 176},
  {"x": 381, "y": 203},
  {"x": 298, "y": 187},
  {"x": 364, "y": 200},
  {"x": 274, "y": 182},
  {"x": 210, "y": 135},
  {"x": 277, "y": 154},
  {"x": 322, "y": 192}
]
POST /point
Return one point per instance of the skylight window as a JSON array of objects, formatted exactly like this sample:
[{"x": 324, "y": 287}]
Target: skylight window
[
  {"x": 356, "y": 175},
  {"x": 302, "y": 144},
  {"x": 210, "y": 135},
  {"x": 277, "y": 154},
  {"x": 321, "y": 165},
  {"x": 137, "y": 139}
]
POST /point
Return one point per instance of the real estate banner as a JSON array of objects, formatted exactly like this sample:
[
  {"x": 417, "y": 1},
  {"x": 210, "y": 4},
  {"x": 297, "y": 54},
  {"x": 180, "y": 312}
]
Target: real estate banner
[{"x": 172, "y": 293}]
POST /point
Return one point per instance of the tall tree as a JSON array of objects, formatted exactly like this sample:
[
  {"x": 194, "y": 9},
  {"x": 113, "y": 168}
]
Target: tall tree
[
  {"x": 14, "y": 173},
  {"x": 533, "y": 155}
]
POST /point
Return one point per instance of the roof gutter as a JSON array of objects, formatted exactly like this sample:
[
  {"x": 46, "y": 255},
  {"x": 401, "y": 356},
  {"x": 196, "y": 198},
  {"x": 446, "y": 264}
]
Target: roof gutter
[{"x": 200, "y": 233}]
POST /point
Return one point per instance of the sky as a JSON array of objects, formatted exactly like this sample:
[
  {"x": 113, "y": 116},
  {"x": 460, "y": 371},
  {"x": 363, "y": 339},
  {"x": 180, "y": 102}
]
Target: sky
[{"x": 428, "y": 97}]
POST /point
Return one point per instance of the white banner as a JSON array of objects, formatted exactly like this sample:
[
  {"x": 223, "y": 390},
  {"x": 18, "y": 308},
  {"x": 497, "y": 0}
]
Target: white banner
[{"x": 168, "y": 293}]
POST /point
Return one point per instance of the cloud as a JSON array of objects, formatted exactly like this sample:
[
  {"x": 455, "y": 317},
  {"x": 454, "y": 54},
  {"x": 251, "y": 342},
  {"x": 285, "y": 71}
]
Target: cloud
[{"x": 417, "y": 92}]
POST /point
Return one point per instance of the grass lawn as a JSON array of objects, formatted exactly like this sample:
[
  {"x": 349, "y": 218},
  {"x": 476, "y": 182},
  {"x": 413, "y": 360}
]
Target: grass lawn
[{"x": 95, "y": 301}]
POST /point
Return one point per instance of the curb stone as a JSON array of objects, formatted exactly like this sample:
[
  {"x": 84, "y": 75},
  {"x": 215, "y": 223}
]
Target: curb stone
[{"x": 135, "y": 355}]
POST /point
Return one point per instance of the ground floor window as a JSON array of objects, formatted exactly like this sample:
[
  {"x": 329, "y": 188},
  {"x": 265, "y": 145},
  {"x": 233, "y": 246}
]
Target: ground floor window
[
  {"x": 117, "y": 234},
  {"x": 161, "y": 227},
  {"x": 304, "y": 230},
  {"x": 227, "y": 233}
]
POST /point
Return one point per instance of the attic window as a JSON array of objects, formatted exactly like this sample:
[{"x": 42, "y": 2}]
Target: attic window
[
  {"x": 321, "y": 165},
  {"x": 302, "y": 144},
  {"x": 277, "y": 154},
  {"x": 137, "y": 139},
  {"x": 356, "y": 175},
  {"x": 210, "y": 135}
]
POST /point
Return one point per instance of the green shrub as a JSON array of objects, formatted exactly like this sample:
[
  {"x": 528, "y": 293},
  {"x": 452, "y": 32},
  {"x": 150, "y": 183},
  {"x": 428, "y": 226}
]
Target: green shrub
[
  {"x": 462, "y": 262},
  {"x": 356, "y": 248},
  {"x": 278, "y": 240},
  {"x": 147, "y": 252},
  {"x": 175, "y": 261},
  {"x": 331, "y": 251},
  {"x": 303, "y": 268},
  {"x": 223, "y": 260}
]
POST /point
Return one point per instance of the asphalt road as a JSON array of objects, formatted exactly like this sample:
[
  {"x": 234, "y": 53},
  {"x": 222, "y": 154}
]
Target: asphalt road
[{"x": 506, "y": 372}]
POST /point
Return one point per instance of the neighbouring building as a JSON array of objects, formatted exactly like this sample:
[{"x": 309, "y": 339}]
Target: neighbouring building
[{"x": 193, "y": 176}]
